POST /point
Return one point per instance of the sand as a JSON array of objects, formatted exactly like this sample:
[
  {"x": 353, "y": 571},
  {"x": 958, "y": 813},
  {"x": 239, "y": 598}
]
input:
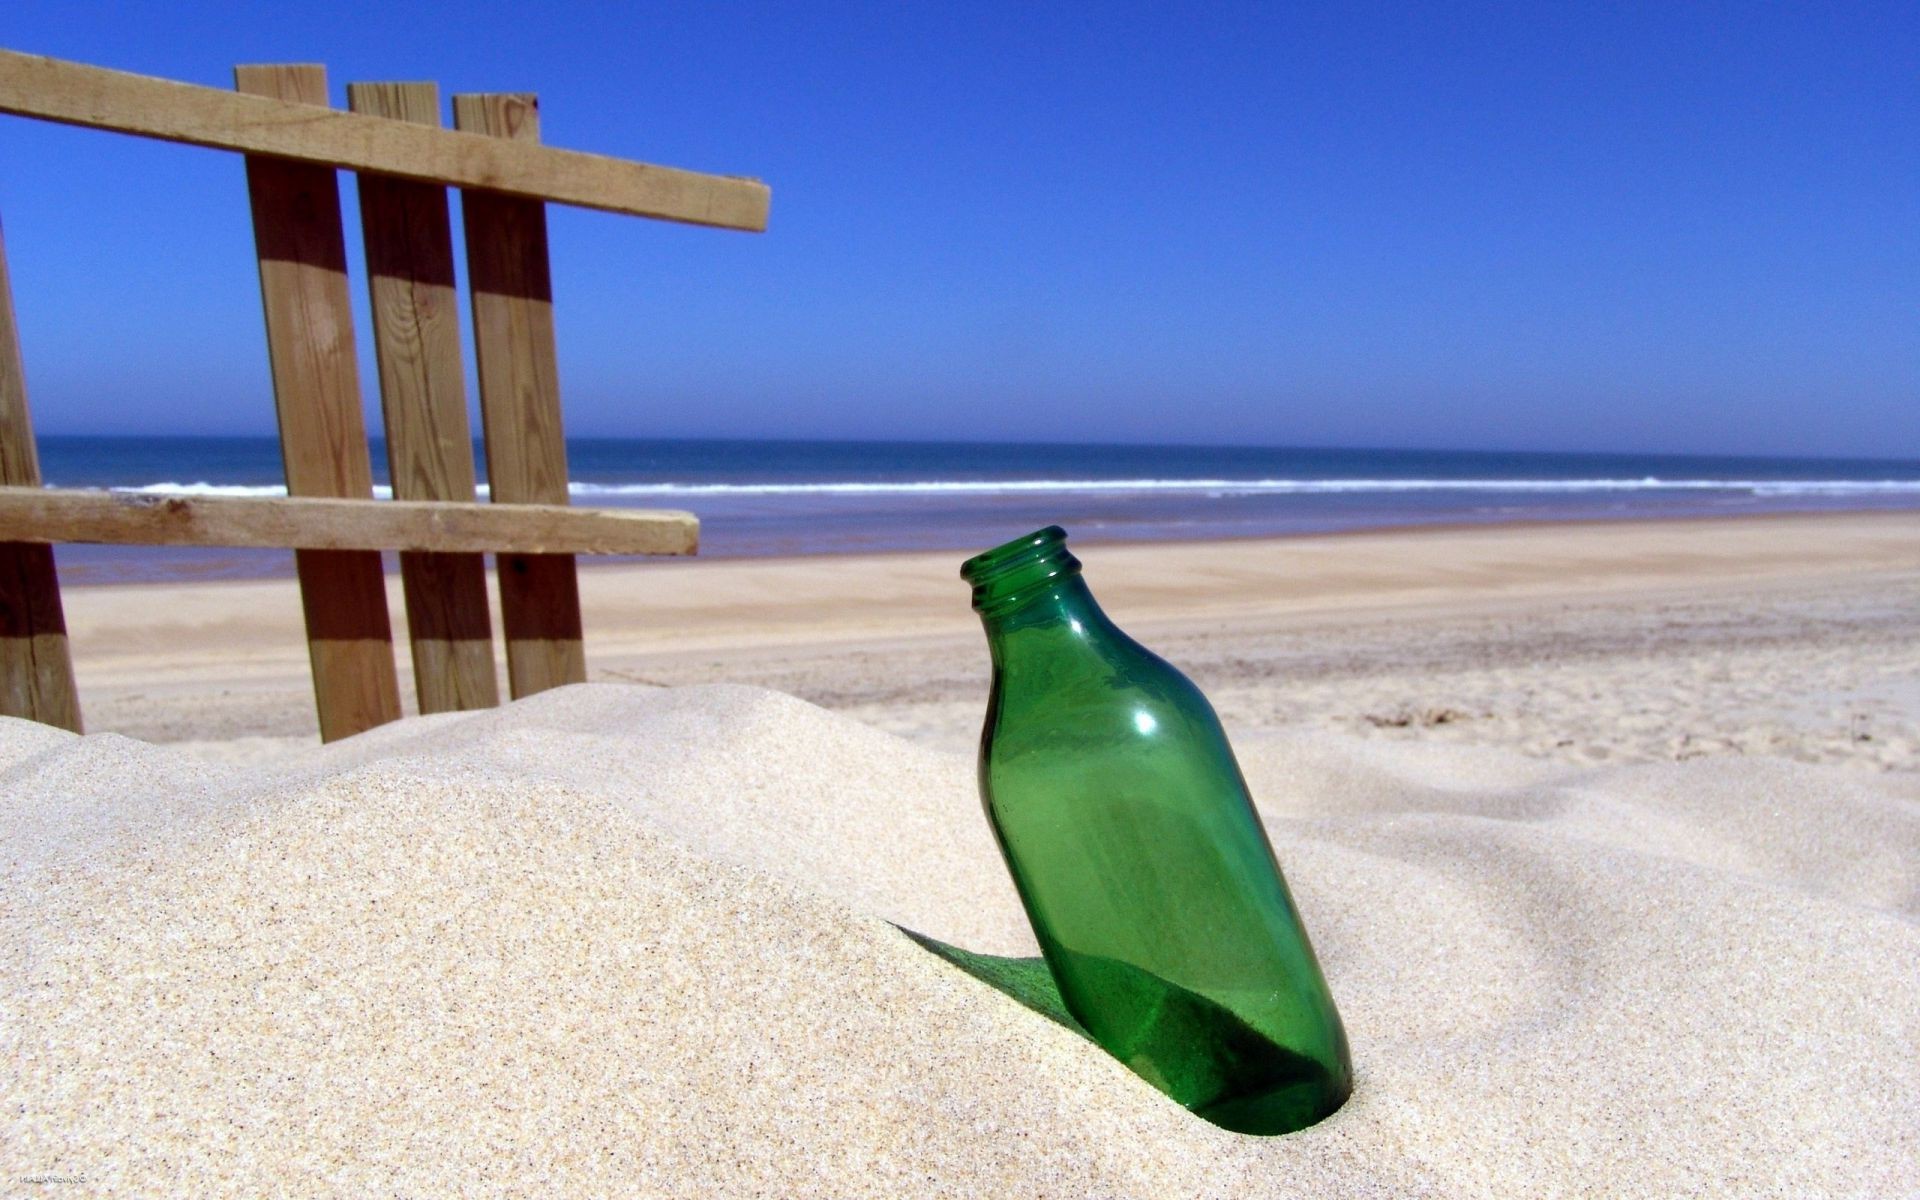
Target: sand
[
  {"x": 620, "y": 939},
  {"x": 1794, "y": 637}
]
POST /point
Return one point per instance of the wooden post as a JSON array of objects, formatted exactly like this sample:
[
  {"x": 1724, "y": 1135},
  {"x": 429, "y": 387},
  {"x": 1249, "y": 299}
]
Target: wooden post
[
  {"x": 36, "y": 667},
  {"x": 323, "y": 437},
  {"x": 416, "y": 337},
  {"x": 508, "y": 272}
]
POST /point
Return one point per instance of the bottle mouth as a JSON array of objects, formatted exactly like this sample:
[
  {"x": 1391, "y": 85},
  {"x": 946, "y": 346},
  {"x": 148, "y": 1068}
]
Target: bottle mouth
[{"x": 1009, "y": 575}]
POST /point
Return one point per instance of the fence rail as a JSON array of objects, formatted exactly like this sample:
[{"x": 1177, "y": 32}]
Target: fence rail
[
  {"x": 30, "y": 514},
  {"x": 77, "y": 94},
  {"x": 279, "y": 118}
]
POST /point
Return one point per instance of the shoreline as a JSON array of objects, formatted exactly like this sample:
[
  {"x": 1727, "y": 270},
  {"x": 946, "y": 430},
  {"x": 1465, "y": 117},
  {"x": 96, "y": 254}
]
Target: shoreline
[{"x": 599, "y": 563}]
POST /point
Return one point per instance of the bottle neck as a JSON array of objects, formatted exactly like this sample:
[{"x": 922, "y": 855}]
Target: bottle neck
[
  {"x": 1010, "y": 577},
  {"x": 1064, "y": 609},
  {"x": 1031, "y": 587}
]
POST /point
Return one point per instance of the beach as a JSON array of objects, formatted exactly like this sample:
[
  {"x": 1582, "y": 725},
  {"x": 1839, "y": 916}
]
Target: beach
[
  {"x": 1607, "y": 835},
  {"x": 1645, "y": 640}
]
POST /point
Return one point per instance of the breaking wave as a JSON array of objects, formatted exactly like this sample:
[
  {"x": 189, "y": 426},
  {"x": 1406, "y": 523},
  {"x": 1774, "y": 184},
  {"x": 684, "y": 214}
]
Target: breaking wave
[{"x": 1218, "y": 487}]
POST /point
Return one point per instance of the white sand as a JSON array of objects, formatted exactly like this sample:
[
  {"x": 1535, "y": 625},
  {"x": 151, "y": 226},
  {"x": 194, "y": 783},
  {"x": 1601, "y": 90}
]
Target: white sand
[
  {"x": 1792, "y": 636},
  {"x": 625, "y": 941}
]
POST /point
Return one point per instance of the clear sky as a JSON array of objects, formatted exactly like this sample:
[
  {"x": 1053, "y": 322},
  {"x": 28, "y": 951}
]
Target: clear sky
[{"x": 1660, "y": 227}]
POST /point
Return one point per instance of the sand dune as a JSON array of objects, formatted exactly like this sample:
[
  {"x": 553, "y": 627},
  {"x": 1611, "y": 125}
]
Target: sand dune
[{"x": 633, "y": 941}]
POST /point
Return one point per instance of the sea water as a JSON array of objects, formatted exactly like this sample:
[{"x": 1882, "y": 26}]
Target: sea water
[{"x": 759, "y": 498}]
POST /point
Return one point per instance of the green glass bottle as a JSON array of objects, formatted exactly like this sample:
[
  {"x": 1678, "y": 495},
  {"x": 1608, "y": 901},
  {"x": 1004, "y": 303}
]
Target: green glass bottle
[{"x": 1148, "y": 877}]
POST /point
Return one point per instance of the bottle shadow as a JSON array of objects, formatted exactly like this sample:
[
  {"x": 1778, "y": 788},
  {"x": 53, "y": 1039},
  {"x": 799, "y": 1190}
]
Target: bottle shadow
[{"x": 1025, "y": 979}]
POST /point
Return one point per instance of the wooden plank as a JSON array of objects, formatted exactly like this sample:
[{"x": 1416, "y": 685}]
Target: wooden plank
[
  {"x": 443, "y": 528},
  {"x": 19, "y": 453},
  {"x": 279, "y": 126},
  {"x": 36, "y": 665},
  {"x": 507, "y": 273},
  {"x": 323, "y": 439},
  {"x": 416, "y": 328}
]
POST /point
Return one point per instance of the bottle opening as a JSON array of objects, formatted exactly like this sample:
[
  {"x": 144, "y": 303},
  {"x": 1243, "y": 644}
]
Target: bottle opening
[{"x": 1009, "y": 575}]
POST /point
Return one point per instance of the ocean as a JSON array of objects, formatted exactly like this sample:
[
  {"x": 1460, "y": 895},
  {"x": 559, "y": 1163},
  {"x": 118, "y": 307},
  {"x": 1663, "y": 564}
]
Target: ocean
[{"x": 758, "y": 498}]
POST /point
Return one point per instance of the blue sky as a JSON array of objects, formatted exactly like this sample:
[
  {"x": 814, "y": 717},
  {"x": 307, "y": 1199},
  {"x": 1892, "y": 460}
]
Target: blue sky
[{"x": 1660, "y": 227}]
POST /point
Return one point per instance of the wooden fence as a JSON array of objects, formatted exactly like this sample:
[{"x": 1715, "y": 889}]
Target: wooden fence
[{"x": 279, "y": 118}]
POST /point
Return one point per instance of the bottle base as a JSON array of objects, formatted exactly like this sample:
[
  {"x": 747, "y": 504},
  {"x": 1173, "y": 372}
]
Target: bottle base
[
  {"x": 1201, "y": 1052},
  {"x": 1288, "y": 1108}
]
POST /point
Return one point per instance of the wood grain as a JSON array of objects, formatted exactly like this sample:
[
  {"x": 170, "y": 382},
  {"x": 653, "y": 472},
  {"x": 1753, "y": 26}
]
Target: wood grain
[
  {"x": 268, "y": 124},
  {"x": 323, "y": 439},
  {"x": 440, "y": 528},
  {"x": 36, "y": 664},
  {"x": 19, "y": 453},
  {"x": 416, "y": 327},
  {"x": 507, "y": 272}
]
